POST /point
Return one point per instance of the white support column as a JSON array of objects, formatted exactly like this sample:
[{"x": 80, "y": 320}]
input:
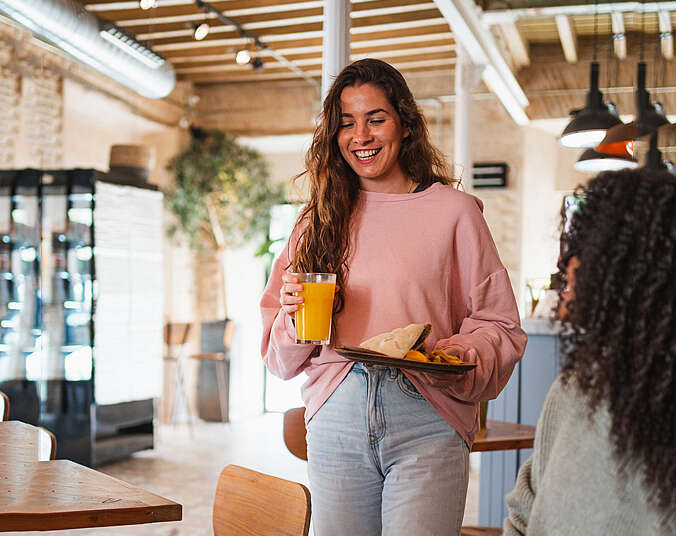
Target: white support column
[
  {"x": 336, "y": 42},
  {"x": 467, "y": 76}
]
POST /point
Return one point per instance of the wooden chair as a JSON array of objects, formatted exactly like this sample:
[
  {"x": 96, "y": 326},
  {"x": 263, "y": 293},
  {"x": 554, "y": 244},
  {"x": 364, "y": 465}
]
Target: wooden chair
[
  {"x": 176, "y": 347},
  {"x": 294, "y": 439},
  {"x": 294, "y": 432},
  {"x": 480, "y": 531},
  {"x": 47, "y": 445},
  {"x": 218, "y": 352},
  {"x": 249, "y": 503},
  {"x": 4, "y": 406}
]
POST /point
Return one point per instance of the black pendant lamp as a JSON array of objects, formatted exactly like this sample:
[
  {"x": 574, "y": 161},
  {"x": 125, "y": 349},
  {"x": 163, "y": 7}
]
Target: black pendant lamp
[
  {"x": 592, "y": 161},
  {"x": 620, "y": 139},
  {"x": 589, "y": 124},
  {"x": 649, "y": 116}
]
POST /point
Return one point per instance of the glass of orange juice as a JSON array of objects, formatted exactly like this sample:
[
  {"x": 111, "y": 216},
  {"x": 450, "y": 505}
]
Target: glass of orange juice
[{"x": 313, "y": 317}]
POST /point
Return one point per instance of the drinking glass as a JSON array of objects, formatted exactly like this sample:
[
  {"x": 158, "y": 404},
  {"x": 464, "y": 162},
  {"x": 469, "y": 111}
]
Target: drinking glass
[{"x": 313, "y": 317}]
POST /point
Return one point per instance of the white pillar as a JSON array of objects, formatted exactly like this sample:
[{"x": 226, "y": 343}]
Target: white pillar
[
  {"x": 336, "y": 46},
  {"x": 467, "y": 76}
]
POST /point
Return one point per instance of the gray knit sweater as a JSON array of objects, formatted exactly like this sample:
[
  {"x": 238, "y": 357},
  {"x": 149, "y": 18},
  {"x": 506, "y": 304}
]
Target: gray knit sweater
[{"x": 570, "y": 485}]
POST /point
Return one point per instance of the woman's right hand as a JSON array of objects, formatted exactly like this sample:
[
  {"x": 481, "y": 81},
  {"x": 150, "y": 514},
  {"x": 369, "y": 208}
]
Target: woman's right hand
[{"x": 288, "y": 301}]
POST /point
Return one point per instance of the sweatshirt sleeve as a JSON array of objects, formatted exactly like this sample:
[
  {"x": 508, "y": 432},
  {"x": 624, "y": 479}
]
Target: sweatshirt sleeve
[
  {"x": 490, "y": 334},
  {"x": 520, "y": 500},
  {"x": 282, "y": 356}
]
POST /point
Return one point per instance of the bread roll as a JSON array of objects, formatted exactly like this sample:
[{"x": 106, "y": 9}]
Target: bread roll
[{"x": 396, "y": 342}]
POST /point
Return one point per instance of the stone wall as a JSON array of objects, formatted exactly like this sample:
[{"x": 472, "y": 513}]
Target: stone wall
[{"x": 31, "y": 97}]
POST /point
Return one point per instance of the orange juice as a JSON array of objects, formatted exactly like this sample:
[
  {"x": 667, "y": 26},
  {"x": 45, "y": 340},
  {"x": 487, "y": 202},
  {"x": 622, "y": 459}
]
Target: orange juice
[{"x": 313, "y": 318}]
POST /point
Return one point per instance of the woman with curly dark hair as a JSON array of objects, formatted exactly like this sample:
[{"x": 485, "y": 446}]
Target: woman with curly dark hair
[
  {"x": 605, "y": 448},
  {"x": 388, "y": 449}
]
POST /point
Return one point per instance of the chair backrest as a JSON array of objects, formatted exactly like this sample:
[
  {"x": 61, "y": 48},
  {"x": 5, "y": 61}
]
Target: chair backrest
[
  {"x": 217, "y": 336},
  {"x": 175, "y": 339},
  {"x": 294, "y": 432},
  {"x": 4, "y": 406},
  {"x": 47, "y": 445},
  {"x": 249, "y": 503},
  {"x": 480, "y": 531},
  {"x": 176, "y": 333}
]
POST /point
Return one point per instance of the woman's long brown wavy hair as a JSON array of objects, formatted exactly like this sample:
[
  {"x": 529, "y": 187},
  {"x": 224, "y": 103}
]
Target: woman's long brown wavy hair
[
  {"x": 620, "y": 346},
  {"x": 324, "y": 224}
]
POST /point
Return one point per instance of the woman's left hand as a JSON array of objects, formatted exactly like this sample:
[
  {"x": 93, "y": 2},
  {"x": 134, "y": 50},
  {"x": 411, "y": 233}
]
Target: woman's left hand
[{"x": 440, "y": 380}]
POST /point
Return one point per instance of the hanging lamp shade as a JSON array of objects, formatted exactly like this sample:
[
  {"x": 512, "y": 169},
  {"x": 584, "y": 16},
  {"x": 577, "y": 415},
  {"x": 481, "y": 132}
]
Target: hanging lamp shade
[
  {"x": 589, "y": 125},
  {"x": 619, "y": 140},
  {"x": 592, "y": 161},
  {"x": 649, "y": 116}
]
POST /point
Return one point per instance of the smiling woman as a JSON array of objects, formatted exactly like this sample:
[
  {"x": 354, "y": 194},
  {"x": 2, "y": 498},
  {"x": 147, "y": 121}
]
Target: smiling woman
[
  {"x": 370, "y": 137},
  {"x": 380, "y": 438}
]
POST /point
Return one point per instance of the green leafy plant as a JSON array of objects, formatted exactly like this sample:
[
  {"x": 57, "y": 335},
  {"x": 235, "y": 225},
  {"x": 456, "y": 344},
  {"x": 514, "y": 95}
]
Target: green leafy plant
[{"x": 222, "y": 194}]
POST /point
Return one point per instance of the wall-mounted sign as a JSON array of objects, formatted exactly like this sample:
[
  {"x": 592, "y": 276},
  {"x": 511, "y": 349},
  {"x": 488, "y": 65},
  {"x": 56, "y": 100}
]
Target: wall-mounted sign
[{"x": 489, "y": 175}]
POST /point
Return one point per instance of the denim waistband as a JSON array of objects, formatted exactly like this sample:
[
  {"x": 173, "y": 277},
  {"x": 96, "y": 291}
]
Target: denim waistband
[{"x": 379, "y": 370}]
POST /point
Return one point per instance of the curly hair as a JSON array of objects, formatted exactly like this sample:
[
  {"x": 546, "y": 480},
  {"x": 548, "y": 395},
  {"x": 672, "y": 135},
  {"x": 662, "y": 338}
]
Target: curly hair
[
  {"x": 620, "y": 342},
  {"x": 323, "y": 244}
]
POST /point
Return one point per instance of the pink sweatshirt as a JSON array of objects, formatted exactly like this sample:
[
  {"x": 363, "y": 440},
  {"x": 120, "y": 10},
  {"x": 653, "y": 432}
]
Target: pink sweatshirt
[{"x": 424, "y": 257}]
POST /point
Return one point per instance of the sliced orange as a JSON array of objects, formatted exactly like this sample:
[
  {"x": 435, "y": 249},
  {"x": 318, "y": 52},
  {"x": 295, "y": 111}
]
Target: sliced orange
[
  {"x": 446, "y": 358},
  {"x": 414, "y": 355}
]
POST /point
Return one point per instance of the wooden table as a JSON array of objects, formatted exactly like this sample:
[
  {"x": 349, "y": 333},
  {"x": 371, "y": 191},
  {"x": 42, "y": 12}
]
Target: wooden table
[
  {"x": 500, "y": 435},
  {"x": 61, "y": 494}
]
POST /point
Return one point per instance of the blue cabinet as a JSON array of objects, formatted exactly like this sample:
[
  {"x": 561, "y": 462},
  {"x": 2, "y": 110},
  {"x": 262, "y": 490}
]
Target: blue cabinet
[{"x": 521, "y": 402}]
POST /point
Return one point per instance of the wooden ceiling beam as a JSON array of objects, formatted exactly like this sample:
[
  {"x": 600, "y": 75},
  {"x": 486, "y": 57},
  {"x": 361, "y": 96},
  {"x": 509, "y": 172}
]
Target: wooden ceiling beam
[
  {"x": 666, "y": 34},
  {"x": 188, "y": 8},
  {"x": 260, "y": 76},
  {"x": 356, "y": 39},
  {"x": 158, "y": 28},
  {"x": 316, "y": 51},
  {"x": 236, "y": 8},
  {"x": 568, "y": 37},
  {"x": 263, "y": 33},
  {"x": 443, "y": 51},
  {"x": 516, "y": 44},
  {"x": 619, "y": 34}
]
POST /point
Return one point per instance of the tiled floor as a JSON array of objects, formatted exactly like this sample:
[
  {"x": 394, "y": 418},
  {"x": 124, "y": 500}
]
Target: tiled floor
[{"x": 186, "y": 470}]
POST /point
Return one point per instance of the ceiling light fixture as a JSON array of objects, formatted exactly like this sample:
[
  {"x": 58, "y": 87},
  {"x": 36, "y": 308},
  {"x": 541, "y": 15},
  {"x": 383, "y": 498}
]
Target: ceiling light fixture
[
  {"x": 621, "y": 139},
  {"x": 649, "y": 116},
  {"x": 147, "y": 4},
  {"x": 589, "y": 124},
  {"x": 201, "y": 31},
  {"x": 592, "y": 161},
  {"x": 242, "y": 57},
  {"x": 208, "y": 8}
]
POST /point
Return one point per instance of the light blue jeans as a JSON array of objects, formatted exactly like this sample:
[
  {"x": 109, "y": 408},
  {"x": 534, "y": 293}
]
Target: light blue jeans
[{"x": 382, "y": 461}]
